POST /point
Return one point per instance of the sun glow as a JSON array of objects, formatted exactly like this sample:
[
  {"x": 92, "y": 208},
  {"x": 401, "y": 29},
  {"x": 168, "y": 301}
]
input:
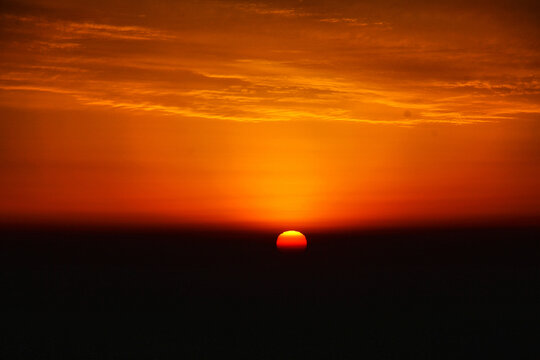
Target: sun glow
[{"x": 274, "y": 115}]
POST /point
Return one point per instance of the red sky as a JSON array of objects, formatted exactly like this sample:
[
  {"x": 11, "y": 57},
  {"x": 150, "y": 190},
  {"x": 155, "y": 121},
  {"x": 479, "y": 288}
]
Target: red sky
[{"x": 273, "y": 114}]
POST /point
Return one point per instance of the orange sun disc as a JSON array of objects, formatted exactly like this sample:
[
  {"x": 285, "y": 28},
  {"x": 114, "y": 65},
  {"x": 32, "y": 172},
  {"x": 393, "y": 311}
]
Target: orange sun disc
[{"x": 291, "y": 241}]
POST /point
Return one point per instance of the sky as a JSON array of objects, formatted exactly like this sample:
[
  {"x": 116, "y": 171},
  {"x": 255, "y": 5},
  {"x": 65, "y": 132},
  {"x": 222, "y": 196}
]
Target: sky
[{"x": 271, "y": 114}]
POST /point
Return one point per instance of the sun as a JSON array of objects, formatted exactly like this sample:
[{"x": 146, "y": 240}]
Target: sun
[{"x": 291, "y": 241}]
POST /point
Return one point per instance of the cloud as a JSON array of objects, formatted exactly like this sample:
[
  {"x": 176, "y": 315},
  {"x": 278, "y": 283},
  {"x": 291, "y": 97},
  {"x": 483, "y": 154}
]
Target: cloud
[
  {"x": 287, "y": 61},
  {"x": 78, "y": 30},
  {"x": 262, "y": 9}
]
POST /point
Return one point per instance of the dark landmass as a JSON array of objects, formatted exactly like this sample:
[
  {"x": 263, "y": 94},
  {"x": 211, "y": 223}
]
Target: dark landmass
[{"x": 429, "y": 293}]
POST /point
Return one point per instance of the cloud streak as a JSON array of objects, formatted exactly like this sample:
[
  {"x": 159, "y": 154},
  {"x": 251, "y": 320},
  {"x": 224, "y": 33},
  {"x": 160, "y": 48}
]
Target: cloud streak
[{"x": 351, "y": 76}]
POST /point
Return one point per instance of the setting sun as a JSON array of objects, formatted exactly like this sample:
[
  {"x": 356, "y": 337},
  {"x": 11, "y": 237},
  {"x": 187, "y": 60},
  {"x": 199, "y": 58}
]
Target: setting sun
[{"x": 291, "y": 241}]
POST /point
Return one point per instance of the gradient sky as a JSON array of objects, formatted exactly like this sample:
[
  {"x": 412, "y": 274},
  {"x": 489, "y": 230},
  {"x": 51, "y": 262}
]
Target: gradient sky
[{"x": 273, "y": 114}]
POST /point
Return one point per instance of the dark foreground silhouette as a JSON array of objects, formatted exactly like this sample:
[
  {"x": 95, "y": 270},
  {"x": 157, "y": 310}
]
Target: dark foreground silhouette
[{"x": 427, "y": 293}]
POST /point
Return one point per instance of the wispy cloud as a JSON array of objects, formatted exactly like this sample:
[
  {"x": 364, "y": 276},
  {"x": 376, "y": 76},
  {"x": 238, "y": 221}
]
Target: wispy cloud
[
  {"x": 323, "y": 74},
  {"x": 77, "y": 30},
  {"x": 262, "y": 9}
]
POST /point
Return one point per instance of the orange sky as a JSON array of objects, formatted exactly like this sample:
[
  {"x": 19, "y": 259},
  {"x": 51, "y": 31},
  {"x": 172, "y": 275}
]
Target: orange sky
[{"x": 274, "y": 114}]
